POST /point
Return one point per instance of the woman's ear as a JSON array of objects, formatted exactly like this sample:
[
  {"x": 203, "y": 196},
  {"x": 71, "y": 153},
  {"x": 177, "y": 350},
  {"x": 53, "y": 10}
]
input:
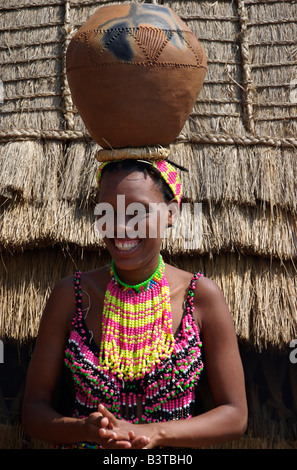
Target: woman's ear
[{"x": 172, "y": 212}]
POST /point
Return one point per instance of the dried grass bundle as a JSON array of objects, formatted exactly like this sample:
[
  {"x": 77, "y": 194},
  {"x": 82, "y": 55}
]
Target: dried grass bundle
[
  {"x": 238, "y": 175},
  {"x": 24, "y": 292}
]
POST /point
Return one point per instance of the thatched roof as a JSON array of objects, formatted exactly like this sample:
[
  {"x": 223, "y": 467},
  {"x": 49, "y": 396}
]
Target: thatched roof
[{"x": 239, "y": 141}]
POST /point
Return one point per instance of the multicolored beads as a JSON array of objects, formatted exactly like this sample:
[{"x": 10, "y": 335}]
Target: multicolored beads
[
  {"x": 165, "y": 392},
  {"x": 136, "y": 325}
]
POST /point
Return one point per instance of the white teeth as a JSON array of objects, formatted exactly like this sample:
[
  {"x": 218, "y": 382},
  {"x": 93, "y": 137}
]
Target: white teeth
[{"x": 125, "y": 246}]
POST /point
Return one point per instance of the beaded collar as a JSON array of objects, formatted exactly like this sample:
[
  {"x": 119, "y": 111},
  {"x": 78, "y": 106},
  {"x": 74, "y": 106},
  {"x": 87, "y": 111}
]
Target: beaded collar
[
  {"x": 136, "y": 325},
  {"x": 142, "y": 286}
]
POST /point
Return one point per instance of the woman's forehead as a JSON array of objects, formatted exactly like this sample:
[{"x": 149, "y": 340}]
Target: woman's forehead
[
  {"x": 134, "y": 175},
  {"x": 134, "y": 182},
  {"x": 125, "y": 176}
]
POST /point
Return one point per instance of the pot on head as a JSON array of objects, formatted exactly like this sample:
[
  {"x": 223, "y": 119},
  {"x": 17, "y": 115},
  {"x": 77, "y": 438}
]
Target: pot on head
[{"x": 135, "y": 71}]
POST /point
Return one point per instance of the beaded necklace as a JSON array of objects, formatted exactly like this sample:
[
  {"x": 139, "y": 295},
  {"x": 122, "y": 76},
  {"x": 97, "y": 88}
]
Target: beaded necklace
[{"x": 136, "y": 325}]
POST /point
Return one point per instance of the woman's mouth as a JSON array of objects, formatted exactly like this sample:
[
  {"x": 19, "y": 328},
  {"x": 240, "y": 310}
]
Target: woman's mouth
[{"x": 126, "y": 245}]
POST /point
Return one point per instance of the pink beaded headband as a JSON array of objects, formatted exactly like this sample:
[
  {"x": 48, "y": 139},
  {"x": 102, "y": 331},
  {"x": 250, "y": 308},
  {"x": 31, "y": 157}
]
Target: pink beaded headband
[{"x": 166, "y": 170}]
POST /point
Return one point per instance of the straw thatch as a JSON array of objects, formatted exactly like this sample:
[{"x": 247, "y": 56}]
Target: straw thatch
[{"x": 239, "y": 143}]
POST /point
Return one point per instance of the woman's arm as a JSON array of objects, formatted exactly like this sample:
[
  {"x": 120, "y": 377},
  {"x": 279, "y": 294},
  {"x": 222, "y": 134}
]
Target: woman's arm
[
  {"x": 228, "y": 419},
  {"x": 40, "y": 420}
]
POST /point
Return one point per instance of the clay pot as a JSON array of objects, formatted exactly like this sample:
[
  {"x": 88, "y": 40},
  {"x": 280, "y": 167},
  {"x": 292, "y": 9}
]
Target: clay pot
[{"x": 135, "y": 71}]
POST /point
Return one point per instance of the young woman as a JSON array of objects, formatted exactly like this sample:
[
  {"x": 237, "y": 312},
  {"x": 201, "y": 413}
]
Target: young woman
[{"x": 132, "y": 335}]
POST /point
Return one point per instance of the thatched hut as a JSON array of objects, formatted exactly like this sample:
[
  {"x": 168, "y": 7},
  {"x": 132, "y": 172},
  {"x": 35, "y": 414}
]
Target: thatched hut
[{"x": 240, "y": 143}]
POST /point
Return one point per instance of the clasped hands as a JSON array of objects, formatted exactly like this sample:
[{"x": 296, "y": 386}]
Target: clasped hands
[{"x": 113, "y": 433}]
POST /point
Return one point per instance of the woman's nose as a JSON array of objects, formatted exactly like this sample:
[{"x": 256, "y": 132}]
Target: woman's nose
[
  {"x": 122, "y": 226},
  {"x": 130, "y": 226}
]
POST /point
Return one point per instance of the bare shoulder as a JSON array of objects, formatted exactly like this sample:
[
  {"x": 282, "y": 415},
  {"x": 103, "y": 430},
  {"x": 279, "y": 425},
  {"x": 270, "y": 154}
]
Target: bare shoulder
[
  {"x": 61, "y": 302},
  {"x": 211, "y": 308},
  {"x": 96, "y": 279},
  {"x": 64, "y": 290},
  {"x": 207, "y": 291},
  {"x": 178, "y": 277}
]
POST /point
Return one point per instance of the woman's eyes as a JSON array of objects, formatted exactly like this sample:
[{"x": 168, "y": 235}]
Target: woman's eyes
[
  {"x": 135, "y": 213},
  {"x": 141, "y": 212}
]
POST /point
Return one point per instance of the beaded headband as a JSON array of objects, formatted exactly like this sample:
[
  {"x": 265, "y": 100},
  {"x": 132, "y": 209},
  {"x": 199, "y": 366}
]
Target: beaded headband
[{"x": 166, "y": 170}]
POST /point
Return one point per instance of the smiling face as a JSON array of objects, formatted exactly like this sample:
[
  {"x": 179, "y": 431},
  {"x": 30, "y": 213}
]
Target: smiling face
[{"x": 140, "y": 216}]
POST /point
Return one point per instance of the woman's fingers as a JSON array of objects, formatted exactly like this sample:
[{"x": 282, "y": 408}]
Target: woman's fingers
[
  {"x": 95, "y": 418},
  {"x": 132, "y": 435},
  {"x": 107, "y": 414},
  {"x": 117, "y": 433},
  {"x": 111, "y": 444},
  {"x": 105, "y": 423},
  {"x": 107, "y": 433},
  {"x": 140, "y": 442},
  {"x": 113, "y": 438}
]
